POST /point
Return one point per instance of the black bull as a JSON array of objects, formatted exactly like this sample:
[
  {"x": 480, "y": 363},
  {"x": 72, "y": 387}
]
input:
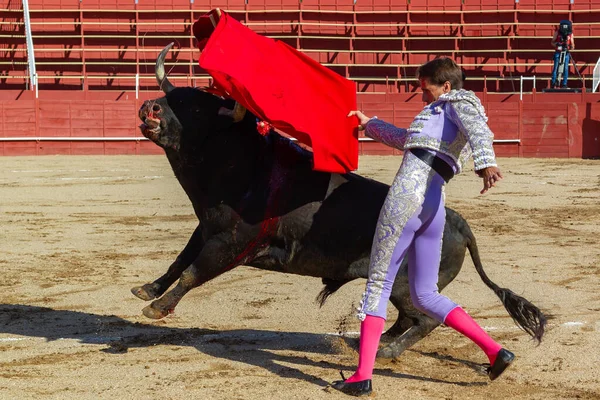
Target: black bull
[{"x": 260, "y": 204}]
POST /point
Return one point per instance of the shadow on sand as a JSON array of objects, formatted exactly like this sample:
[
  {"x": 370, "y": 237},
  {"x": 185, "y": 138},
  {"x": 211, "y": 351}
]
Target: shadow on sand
[{"x": 259, "y": 348}]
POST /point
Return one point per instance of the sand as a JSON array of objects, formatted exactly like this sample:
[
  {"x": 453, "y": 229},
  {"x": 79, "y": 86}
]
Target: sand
[{"x": 79, "y": 232}]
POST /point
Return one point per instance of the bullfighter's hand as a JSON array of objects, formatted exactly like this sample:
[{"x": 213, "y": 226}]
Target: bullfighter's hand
[
  {"x": 490, "y": 176},
  {"x": 362, "y": 118}
]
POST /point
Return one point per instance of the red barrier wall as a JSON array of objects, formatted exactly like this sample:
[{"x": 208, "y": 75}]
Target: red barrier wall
[
  {"x": 88, "y": 53},
  {"x": 66, "y": 118},
  {"x": 545, "y": 124},
  {"x": 538, "y": 126}
]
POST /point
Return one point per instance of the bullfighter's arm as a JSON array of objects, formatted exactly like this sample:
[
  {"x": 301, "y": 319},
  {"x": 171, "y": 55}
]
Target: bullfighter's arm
[
  {"x": 386, "y": 133},
  {"x": 469, "y": 116}
]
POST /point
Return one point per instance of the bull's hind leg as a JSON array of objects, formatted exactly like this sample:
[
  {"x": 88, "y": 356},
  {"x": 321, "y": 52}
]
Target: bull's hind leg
[
  {"x": 410, "y": 327},
  {"x": 217, "y": 257},
  {"x": 155, "y": 289},
  {"x": 422, "y": 326}
]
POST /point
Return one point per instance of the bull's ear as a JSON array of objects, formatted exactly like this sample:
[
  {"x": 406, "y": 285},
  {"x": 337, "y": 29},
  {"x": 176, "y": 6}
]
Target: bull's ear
[
  {"x": 227, "y": 114},
  {"x": 222, "y": 122}
]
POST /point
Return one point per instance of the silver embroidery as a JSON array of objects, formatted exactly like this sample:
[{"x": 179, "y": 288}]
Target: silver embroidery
[
  {"x": 416, "y": 126},
  {"x": 361, "y": 315},
  {"x": 405, "y": 196},
  {"x": 474, "y": 137},
  {"x": 425, "y": 114},
  {"x": 454, "y": 149},
  {"x": 386, "y": 133}
]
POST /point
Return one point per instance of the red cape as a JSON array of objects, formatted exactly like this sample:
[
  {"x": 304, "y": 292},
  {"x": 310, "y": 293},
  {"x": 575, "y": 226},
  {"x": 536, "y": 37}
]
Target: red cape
[{"x": 284, "y": 87}]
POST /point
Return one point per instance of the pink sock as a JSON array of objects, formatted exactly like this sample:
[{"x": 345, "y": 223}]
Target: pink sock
[
  {"x": 370, "y": 333},
  {"x": 462, "y": 322}
]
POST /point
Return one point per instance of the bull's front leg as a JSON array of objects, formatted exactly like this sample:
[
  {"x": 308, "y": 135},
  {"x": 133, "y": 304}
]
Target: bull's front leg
[
  {"x": 217, "y": 257},
  {"x": 151, "y": 291}
]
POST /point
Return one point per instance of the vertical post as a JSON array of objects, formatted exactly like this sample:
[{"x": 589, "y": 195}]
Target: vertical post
[
  {"x": 36, "y": 105},
  {"x": 137, "y": 49},
  {"x": 596, "y": 76},
  {"x": 461, "y": 28},
  {"x": 352, "y": 53},
  {"x": 192, "y": 46},
  {"x": 84, "y": 82},
  {"x": 137, "y": 86},
  {"x": 520, "y": 130},
  {"x": 521, "y": 89},
  {"x": 29, "y": 40},
  {"x": 300, "y": 27},
  {"x": 404, "y": 48}
]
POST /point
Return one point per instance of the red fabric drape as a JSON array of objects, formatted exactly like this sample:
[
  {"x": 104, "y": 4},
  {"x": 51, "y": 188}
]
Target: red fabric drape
[{"x": 284, "y": 87}]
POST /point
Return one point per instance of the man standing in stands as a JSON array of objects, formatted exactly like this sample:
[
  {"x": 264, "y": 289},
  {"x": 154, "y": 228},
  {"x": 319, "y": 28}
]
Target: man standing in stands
[{"x": 562, "y": 41}]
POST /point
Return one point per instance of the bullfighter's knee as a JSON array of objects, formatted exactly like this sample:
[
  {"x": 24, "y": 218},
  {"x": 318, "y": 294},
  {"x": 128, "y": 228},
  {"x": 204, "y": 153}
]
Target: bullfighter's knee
[
  {"x": 433, "y": 304},
  {"x": 425, "y": 302}
]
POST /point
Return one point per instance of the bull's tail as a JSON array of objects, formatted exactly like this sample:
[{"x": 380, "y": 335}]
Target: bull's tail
[
  {"x": 331, "y": 286},
  {"x": 527, "y": 316}
]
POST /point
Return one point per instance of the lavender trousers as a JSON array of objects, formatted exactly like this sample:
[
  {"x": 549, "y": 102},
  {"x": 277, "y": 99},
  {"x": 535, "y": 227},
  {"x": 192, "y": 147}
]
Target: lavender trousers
[{"x": 411, "y": 224}]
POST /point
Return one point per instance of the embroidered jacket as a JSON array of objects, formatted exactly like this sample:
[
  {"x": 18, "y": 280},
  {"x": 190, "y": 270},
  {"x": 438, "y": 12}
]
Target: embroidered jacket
[{"x": 454, "y": 125}]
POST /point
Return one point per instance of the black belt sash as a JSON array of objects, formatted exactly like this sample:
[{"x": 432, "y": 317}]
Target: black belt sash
[{"x": 436, "y": 163}]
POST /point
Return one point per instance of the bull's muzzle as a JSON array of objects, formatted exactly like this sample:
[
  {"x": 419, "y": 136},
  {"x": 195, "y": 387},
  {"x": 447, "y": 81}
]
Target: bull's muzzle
[{"x": 149, "y": 115}]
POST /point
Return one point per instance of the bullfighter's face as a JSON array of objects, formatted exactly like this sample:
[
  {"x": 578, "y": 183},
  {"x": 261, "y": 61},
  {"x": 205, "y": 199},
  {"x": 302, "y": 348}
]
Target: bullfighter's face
[{"x": 432, "y": 92}]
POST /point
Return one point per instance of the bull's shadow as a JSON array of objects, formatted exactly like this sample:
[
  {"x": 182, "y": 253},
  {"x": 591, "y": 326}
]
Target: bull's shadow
[{"x": 253, "y": 347}]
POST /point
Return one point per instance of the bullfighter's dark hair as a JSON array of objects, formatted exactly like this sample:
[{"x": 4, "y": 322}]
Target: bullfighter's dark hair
[{"x": 440, "y": 71}]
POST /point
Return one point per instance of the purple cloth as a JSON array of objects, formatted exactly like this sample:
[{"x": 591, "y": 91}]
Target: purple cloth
[{"x": 421, "y": 241}]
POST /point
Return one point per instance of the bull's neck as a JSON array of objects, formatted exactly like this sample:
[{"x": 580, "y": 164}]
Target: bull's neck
[{"x": 222, "y": 170}]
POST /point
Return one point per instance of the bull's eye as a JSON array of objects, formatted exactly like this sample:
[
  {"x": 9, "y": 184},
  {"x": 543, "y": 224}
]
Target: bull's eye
[{"x": 156, "y": 108}]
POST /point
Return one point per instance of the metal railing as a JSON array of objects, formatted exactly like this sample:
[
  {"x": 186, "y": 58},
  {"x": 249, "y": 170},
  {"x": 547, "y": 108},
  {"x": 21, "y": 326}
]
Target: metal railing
[{"x": 525, "y": 78}]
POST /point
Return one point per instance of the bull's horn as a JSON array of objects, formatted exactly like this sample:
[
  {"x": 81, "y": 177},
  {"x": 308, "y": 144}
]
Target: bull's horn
[
  {"x": 159, "y": 70},
  {"x": 238, "y": 112}
]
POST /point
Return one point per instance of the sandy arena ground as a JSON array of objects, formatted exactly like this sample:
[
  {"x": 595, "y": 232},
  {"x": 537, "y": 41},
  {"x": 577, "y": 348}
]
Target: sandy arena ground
[{"x": 79, "y": 232}]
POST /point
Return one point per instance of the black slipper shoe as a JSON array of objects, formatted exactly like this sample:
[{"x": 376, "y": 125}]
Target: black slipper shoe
[
  {"x": 357, "y": 389},
  {"x": 503, "y": 361}
]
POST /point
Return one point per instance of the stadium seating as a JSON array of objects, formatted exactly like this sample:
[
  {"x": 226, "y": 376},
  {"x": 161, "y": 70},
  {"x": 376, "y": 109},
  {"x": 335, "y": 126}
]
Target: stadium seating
[{"x": 104, "y": 44}]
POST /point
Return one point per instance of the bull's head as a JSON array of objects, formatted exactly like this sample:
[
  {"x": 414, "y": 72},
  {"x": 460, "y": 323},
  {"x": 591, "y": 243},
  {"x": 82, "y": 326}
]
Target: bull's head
[{"x": 189, "y": 110}]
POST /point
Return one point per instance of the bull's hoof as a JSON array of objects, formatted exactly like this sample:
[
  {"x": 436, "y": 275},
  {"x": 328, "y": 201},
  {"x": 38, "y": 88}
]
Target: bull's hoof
[
  {"x": 153, "y": 313},
  {"x": 386, "y": 355},
  {"x": 146, "y": 292}
]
